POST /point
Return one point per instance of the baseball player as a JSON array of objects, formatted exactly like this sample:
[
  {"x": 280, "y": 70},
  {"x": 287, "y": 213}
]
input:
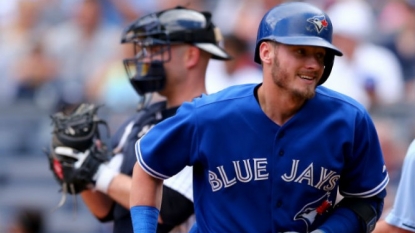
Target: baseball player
[
  {"x": 172, "y": 51},
  {"x": 401, "y": 219},
  {"x": 270, "y": 157}
]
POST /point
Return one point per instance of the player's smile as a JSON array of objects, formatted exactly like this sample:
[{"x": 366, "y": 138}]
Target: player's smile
[{"x": 308, "y": 78}]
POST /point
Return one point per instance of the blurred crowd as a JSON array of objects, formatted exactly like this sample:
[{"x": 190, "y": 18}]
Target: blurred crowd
[
  {"x": 68, "y": 51},
  {"x": 58, "y": 52}
]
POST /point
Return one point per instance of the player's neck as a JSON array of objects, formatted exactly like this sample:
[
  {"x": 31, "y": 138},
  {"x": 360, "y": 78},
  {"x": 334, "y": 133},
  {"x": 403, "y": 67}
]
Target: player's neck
[
  {"x": 279, "y": 108},
  {"x": 178, "y": 96}
]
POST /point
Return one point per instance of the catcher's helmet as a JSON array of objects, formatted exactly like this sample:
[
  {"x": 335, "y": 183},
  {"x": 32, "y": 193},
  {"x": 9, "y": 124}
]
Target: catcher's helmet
[
  {"x": 298, "y": 23},
  {"x": 161, "y": 29}
]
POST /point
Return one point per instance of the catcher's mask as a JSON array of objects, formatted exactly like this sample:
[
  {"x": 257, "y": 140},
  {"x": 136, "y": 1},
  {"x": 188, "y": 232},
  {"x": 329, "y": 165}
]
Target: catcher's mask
[
  {"x": 153, "y": 34},
  {"x": 298, "y": 23}
]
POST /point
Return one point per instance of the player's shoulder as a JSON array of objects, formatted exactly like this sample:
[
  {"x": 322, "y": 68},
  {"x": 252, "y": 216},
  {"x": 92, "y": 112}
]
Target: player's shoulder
[
  {"x": 410, "y": 155},
  {"x": 338, "y": 100},
  {"x": 230, "y": 94},
  {"x": 223, "y": 102}
]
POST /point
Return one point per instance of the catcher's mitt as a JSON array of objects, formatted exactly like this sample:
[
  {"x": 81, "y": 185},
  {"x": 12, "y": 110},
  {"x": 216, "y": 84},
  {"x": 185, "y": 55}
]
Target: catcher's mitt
[
  {"x": 76, "y": 128},
  {"x": 77, "y": 131}
]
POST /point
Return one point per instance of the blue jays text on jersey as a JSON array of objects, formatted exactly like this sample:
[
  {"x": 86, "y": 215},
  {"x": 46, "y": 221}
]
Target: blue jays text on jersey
[
  {"x": 258, "y": 170},
  {"x": 258, "y": 175}
]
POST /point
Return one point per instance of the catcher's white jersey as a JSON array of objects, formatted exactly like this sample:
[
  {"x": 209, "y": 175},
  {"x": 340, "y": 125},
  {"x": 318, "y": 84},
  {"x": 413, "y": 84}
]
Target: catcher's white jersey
[
  {"x": 403, "y": 212},
  {"x": 182, "y": 182}
]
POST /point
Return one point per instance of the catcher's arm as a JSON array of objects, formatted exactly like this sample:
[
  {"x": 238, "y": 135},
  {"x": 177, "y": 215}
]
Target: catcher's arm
[
  {"x": 77, "y": 163},
  {"x": 97, "y": 175},
  {"x": 73, "y": 136},
  {"x": 107, "y": 184},
  {"x": 118, "y": 190},
  {"x": 116, "y": 187}
]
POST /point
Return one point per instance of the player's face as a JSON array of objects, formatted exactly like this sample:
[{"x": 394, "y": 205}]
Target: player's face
[
  {"x": 161, "y": 64},
  {"x": 298, "y": 69},
  {"x": 175, "y": 68},
  {"x": 149, "y": 54}
]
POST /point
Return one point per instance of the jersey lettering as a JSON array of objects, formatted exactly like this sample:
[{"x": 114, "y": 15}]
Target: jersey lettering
[
  {"x": 248, "y": 172},
  {"x": 228, "y": 183},
  {"x": 242, "y": 175},
  {"x": 307, "y": 175},
  {"x": 324, "y": 177},
  {"x": 257, "y": 170},
  {"x": 261, "y": 169},
  {"x": 294, "y": 168},
  {"x": 332, "y": 183},
  {"x": 214, "y": 181}
]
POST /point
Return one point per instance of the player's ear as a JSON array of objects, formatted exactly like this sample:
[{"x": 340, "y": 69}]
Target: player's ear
[
  {"x": 266, "y": 52},
  {"x": 192, "y": 56}
]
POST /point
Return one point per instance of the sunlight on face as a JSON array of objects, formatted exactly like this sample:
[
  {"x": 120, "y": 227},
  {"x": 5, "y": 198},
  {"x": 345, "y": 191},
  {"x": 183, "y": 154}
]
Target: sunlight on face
[{"x": 298, "y": 69}]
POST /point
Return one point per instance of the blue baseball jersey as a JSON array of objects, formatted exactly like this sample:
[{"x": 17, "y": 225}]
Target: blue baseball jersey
[
  {"x": 402, "y": 214},
  {"x": 252, "y": 175}
]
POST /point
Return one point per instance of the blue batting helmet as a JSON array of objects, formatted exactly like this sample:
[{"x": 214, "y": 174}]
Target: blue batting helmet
[{"x": 298, "y": 23}]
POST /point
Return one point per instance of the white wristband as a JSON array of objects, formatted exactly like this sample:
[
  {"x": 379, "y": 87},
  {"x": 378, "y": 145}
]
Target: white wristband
[{"x": 103, "y": 178}]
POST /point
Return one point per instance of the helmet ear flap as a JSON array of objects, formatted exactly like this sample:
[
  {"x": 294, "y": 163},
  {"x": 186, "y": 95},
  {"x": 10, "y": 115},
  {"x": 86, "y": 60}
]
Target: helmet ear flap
[{"x": 328, "y": 65}]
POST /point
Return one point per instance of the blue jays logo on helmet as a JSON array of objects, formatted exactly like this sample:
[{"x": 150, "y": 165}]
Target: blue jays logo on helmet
[
  {"x": 312, "y": 210},
  {"x": 319, "y": 22}
]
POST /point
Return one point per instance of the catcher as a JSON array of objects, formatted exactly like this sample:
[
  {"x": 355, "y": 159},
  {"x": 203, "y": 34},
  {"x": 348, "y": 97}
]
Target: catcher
[
  {"x": 172, "y": 48},
  {"x": 76, "y": 150}
]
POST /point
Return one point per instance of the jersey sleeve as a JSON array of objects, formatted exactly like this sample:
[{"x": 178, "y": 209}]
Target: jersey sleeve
[
  {"x": 166, "y": 149},
  {"x": 402, "y": 214},
  {"x": 365, "y": 173}
]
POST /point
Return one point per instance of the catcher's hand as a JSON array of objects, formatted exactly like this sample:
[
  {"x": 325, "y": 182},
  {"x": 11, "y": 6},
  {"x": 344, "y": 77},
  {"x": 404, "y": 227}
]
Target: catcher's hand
[
  {"x": 63, "y": 169},
  {"x": 74, "y": 158},
  {"x": 78, "y": 170}
]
